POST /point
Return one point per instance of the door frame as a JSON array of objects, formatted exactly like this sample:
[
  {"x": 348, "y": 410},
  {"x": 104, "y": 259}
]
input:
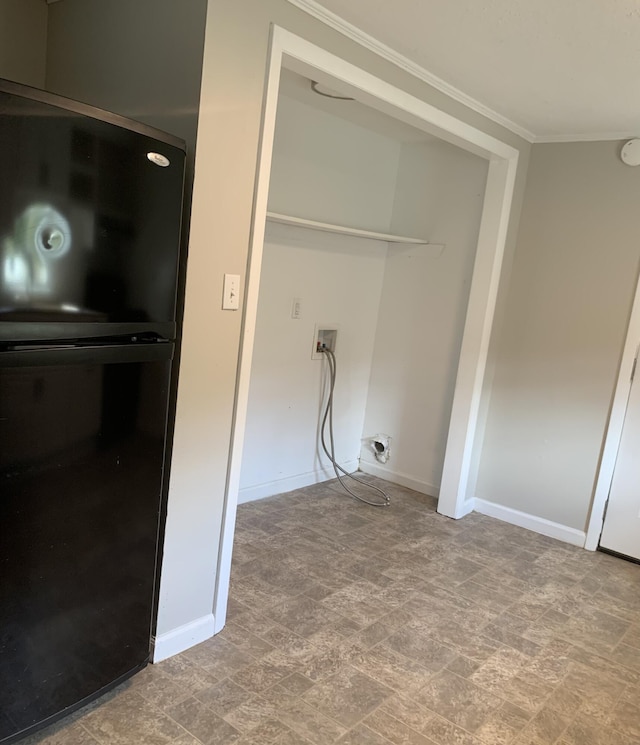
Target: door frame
[
  {"x": 295, "y": 53},
  {"x": 615, "y": 425}
]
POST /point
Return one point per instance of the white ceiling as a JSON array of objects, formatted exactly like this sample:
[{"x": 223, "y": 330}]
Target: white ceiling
[{"x": 548, "y": 69}]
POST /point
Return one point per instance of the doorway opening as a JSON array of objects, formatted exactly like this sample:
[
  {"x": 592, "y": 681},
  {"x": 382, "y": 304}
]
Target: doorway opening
[
  {"x": 293, "y": 59},
  {"x": 617, "y": 470}
]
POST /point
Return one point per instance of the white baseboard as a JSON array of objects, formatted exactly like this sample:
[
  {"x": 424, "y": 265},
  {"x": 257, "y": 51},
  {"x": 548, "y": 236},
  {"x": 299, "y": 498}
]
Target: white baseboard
[
  {"x": 299, "y": 481},
  {"x": 531, "y": 522},
  {"x": 176, "y": 641},
  {"x": 466, "y": 508},
  {"x": 374, "y": 469}
]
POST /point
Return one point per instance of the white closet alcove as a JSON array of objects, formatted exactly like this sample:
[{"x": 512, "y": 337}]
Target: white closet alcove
[{"x": 372, "y": 228}]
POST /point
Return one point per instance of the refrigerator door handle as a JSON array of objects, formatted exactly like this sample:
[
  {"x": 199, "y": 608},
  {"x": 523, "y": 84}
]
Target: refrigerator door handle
[
  {"x": 81, "y": 355},
  {"x": 19, "y": 331}
]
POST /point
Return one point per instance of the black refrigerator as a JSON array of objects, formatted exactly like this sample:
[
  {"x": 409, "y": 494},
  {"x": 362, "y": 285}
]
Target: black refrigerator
[{"x": 90, "y": 225}]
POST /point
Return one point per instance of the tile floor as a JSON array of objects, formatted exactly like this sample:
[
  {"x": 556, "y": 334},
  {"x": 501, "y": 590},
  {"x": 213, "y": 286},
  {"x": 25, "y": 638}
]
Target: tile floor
[{"x": 362, "y": 626}]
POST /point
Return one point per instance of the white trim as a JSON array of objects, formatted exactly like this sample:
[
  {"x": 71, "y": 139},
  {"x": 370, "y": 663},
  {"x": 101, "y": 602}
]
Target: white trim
[
  {"x": 614, "y": 427},
  {"x": 282, "y": 486},
  {"x": 177, "y": 640},
  {"x": 388, "y": 474},
  {"x": 308, "y": 59},
  {"x": 305, "y": 57},
  {"x": 247, "y": 333},
  {"x": 586, "y": 137},
  {"x": 477, "y": 333},
  {"x": 468, "y": 507},
  {"x": 530, "y": 522},
  {"x": 391, "y": 55}
]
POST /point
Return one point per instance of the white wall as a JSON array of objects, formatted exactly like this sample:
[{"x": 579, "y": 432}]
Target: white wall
[
  {"x": 23, "y": 41},
  {"x": 440, "y": 192},
  {"x": 327, "y": 169},
  {"x": 569, "y": 302},
  {"x": 339, "y": 280}
]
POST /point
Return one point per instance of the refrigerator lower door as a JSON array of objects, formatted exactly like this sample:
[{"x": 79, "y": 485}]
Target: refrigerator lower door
[{"x": 82, "y": 447}]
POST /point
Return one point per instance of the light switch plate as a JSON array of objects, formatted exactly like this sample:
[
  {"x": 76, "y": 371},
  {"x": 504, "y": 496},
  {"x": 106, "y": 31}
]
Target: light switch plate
[
  {"x": 296, "y": 309},
  {"x": 231, "y": 292}
]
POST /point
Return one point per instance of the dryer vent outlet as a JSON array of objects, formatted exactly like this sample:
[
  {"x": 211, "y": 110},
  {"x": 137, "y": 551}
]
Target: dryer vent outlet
[{"x": 380, "y": 445}]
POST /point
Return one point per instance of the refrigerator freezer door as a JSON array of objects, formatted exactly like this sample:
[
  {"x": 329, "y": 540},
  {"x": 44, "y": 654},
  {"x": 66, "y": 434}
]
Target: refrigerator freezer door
[
  {"x": 81, "y": 465},
  {"x": 89, "y": 225}
]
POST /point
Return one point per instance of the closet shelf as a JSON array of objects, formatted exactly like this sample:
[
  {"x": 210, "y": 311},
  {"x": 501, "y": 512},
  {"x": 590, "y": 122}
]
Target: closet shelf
[{"x": 330, "y": 228}]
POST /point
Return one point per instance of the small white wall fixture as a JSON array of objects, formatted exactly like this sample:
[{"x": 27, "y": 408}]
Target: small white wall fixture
[
  {"x": 614, "y": 427},
  {"x": 293, "y": 52}
]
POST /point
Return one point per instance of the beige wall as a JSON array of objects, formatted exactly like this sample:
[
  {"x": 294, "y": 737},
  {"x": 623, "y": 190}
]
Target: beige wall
[
  {"x": 140, "y": 59},
  {"x": 23, "y": 41},
  {"x": 559, "y": 327},
  {"x": 229, "y": 128},
  {"x": 575, "y": 270}
]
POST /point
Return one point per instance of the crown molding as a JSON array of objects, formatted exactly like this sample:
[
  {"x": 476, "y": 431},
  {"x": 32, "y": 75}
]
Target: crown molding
[
  {"x": 382, "y": 50},
  {"x": 587, "y": 137}
]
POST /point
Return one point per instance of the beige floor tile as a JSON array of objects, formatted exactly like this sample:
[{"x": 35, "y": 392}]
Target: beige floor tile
[
  {"x": 463, "y": 666},
  {"x": 61, "y": 734},
  {"x": 362, "y": 735},
  {"x": 245, "y": 641},
  {"x": 224, "y": 697},
  {"x": 384, "y": 664},
  {"x": 348, "y": 696},
  {"x": 417, "y": 645},
  {"x": 202, "y": 722},
  {"x": 130, "y": 718},
  {"x": 441, "y": 731},
  {"x": 495, "y": 732},
  {"x": 186, "y": 674},
  {"x": 458, "y": 700},
  {"x": 308, "y": 721},
  {"x": 545, "y": 728},
  {"x": 527, "y": 691},
  {"x": 358, "y": 626},
  {"x": 586, "y": 731},
  {"x": 626, "y": 715},
  {"x": 272, "y": 732},
  {"x": 306, "y": 617},
  {"x": 407, "y": 711},
  {"x": 499, "y": 669},
  {"x": 396, "y": 732}
]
